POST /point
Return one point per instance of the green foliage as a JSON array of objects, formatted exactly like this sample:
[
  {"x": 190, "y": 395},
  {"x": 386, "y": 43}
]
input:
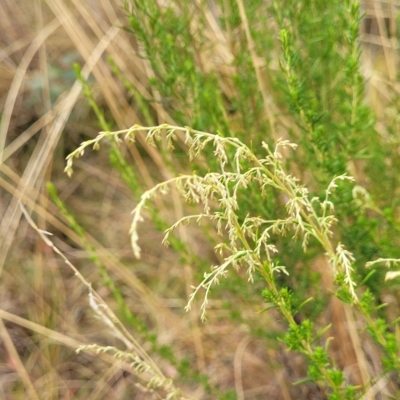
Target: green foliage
[
  {"x": 128, "y": 317},
  {"x": 248, "y": 241},
  {"x": 269, "y": 222}
]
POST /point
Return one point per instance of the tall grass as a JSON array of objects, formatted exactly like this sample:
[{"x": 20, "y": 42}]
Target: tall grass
[{"x": 258, "y": 140}]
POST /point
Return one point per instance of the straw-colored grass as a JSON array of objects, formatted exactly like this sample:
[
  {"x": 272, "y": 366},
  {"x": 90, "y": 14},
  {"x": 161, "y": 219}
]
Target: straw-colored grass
[{"x": 46, "y": 312}]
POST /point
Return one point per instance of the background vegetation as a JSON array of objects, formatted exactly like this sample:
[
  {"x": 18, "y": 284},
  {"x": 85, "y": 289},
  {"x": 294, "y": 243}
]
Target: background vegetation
[{"x": 323, "y": 75}]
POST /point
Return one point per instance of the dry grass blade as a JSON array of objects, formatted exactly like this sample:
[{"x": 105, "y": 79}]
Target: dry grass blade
[
  {"x": 18, "y": 79},
  {"x": 16, "y": 360},
  {"x": 242, "y": 74},
  {"x": 142, "y": 362},
  {"x": 44, "y": 150},
  {"x": 268, "y": 104},
  {"x": 61, "y": 339}
]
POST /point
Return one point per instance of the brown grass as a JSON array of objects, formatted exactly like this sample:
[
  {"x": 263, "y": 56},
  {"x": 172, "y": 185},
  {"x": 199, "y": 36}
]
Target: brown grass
[{"x": 44, "y": 310}]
